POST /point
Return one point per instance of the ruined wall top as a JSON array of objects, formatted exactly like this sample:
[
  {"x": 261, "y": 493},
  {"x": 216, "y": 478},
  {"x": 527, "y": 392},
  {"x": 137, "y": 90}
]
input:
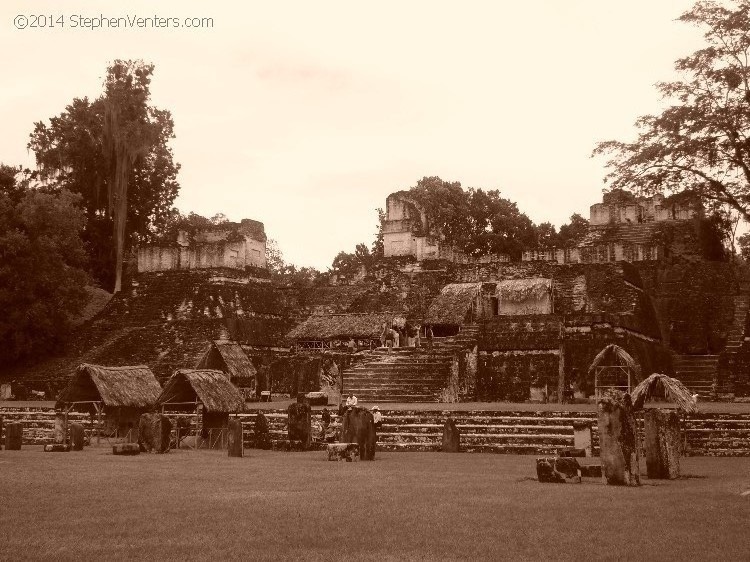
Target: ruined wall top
[{"x": 622, "y": 207}]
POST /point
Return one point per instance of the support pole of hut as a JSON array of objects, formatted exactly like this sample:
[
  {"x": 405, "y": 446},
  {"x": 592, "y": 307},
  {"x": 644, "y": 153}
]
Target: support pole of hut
[{"x": 98, "y": 407}]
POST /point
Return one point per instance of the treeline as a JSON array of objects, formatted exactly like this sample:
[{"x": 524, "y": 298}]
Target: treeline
[{"x": 476, "y": 221}]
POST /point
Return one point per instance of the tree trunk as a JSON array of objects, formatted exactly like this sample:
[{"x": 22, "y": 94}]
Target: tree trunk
[{"x": 663, "y": 445}]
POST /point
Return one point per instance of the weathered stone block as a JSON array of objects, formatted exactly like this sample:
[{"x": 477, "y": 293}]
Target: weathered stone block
[
  {"x": 234, "y": 438},
  {"x": 582, "y": 437},
  {"x": 299, "y": 426},
  {"x": 13, "y": 436},
  {"x": 61, "y": 428},
  {"x": 343, "y": 452},
  {"x": 77, "y": 436},
  {"x": 663, "y": 446},
  {"x": 578, "y": 453},
  {"x": 57, "y": 448},
  {"x": 316, "y": 398},
  {"x": 154, "y": 432},
  {"x": 358, "y": 426},
  {"x": 557, "y": 470},
  {"x": 617, "y": 440},
  {"x": 591, "y": 470},
  {"x": 261, "y": 431},
  {"x": 126, "y": 449},
  {"x": 451, "y": 437}
]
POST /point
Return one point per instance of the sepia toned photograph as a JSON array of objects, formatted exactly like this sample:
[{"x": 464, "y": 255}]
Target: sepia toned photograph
[{"x": 336, "y": 280}]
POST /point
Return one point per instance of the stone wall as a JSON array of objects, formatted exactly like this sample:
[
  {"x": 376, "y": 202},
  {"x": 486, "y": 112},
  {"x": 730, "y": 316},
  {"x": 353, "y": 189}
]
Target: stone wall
[{"x": 694, "y": 302}]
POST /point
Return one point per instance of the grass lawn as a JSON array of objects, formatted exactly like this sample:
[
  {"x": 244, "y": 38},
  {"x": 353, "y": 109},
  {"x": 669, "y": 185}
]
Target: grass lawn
[{"x": 414, "y": 506}]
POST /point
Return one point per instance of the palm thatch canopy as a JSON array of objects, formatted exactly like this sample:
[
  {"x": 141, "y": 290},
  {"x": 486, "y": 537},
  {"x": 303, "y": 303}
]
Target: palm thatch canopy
[
  {"x": 320, "y": 327},
  {"x": 662, "y": 386},
  {"x": 228, "y": 356},
  {"x": 615, "y": 356},
  {"x": 452, "y": 304},
  {"x": 134, "y": 387},
  {"x": 522, "y": 290},
  {"x": 210, "y": 388}
]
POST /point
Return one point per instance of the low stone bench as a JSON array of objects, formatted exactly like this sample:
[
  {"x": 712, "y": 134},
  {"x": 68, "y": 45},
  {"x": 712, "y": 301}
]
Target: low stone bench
[
  {"x": 557, "y": 470},
  {"x": 126, "y": 449},
  {"x": 348, "y": 452},
  {"x": 57, "y": 448}
]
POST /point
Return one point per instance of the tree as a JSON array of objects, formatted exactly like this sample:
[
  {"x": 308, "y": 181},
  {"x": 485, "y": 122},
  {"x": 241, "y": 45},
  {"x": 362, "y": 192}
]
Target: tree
[
  {"x": 378, "y": 247},
  {"x": 114, "y": 152},
  {"x": 475, "y": 221},
  {"x": 547, "y": 236},
  {"x": 42, "y": 280},
  {"x": 350, "y": 264},
  {"x": 573, "y": 232},
  {"x": 701, "y": 143},
  {"x": 744, "y": 243}
]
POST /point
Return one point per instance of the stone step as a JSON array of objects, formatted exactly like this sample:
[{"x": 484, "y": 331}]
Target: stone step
[
  {"x": 405, "y": 398},
  {"x": 400, "y": 367},
  {"x": 407, "y": 381}
]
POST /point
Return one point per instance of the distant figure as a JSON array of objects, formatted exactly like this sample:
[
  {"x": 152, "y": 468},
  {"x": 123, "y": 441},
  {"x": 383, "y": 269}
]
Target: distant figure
[
  {"x": 352, "y": 345},
  {"x": 429, "y": 336},
  {"x": 351, "y": 401},
  {"x": 389, "y": 335},
  {"x": 377, "y": 417}
]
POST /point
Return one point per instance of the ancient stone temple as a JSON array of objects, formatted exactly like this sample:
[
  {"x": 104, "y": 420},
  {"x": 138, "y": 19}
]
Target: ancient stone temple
[
  {"x": 233, "y": 245},
  {"x": 427, "y": 324}
]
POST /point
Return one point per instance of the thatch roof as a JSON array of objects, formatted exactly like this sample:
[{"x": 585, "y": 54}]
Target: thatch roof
[
  {"x": 211, "y": 388},
  {"x": 135, "y": 386},
  {"x": 452, "y": 304},
  {"x": 613, "y": 355},
  {"x": 229, "y": 357},
  {"x": 659, "y": 386},
  {"x": 340, "y": 326},
  {"x": 522, "y": 290}
]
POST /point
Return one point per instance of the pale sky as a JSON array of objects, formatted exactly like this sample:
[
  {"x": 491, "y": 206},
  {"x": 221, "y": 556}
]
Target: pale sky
[{"x": 306, "y": 115}]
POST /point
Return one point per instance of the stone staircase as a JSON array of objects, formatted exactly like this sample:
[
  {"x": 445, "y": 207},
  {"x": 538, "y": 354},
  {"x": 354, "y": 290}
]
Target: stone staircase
[
  {"x": 697, "y": 373},
  {"x": 481, "y": 431},
  {"x": 408, "y": 374},
  {"x": 399, "y": 375},
  {"x": 736, "y": 335}
]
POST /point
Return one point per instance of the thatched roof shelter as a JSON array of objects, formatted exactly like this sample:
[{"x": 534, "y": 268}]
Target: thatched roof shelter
[
  {"x": 228, "y": 356},
  {"x": 615, "y": 356},
  {"x": 662, "y": 386},
  {"x": 132, "y": 387},
  {"x": 521, "y": 290},
  {"x": 320, "y": 327},
  {"x": 453, "y": 303},
  {"x": 210, "y": 388}
]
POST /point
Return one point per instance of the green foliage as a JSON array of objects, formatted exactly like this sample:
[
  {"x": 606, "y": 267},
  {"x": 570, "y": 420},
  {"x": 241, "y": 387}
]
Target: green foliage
[
  {"x": 289, "y": 274},
  {"x": 744, "y": 243},
  {"x": 477, "y": 222},
  {"x": 573, "y": 232},
  {"x": 701, "y": 142},
  {"x": 351, "y": 264},
  {"x": 74, "y": 153},
  {"x": 378, "y": 247},
  {"x": 42, "y": 281}
]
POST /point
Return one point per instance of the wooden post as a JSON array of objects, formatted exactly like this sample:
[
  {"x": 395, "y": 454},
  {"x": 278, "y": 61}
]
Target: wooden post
[{"x": 98, "y": 422}]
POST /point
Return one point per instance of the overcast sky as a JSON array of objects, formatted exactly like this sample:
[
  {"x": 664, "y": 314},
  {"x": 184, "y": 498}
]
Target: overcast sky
[{"x": 306, "y": 115}]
